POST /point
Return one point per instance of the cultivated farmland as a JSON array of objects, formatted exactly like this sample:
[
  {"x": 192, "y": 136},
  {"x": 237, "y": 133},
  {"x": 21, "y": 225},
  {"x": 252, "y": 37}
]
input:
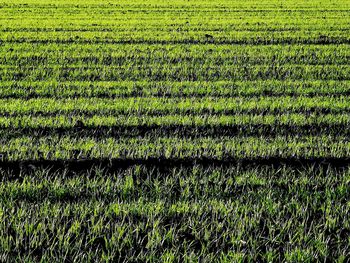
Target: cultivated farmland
[{"x": 169, "y": 131}]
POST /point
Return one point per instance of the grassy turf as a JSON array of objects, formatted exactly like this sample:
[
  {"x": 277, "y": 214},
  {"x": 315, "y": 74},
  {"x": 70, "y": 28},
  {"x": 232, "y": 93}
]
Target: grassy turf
[{"x": 168, "y": 131}]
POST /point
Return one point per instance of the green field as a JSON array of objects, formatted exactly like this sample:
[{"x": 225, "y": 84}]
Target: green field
[{"x": 174, "y": 131}]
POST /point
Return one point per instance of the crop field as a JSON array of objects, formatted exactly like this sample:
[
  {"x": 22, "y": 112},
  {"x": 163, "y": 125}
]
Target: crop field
[{"x": 175, "y": 131}]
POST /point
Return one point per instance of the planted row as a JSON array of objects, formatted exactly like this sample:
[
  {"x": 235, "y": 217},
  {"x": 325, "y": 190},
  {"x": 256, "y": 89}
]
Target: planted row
[
  {"x": 205, "y": 121},
  {"x": 186, "y": 72},
  {"x": 141, "y": 54},
  {"x": 219, "y": 148},
  {"x": 178, "y": 214},
  {"x": 73, "y": 89},
  {"x": 174, "y": 37},
  {"x": 161, "y": 106}
]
